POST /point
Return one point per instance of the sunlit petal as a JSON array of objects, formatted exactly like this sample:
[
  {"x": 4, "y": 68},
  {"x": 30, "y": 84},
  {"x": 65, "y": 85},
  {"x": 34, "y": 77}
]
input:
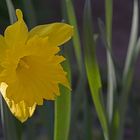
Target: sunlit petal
[
  {"x": 16, "y": 33},
  {"x": 20, "y": 110},
  {"x": 58, "y": 33}
]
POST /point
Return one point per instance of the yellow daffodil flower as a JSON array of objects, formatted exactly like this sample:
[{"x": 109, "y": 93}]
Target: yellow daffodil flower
[{"x": 30, "y": 67}]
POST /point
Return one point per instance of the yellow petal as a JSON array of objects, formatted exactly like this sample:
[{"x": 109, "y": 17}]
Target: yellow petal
[
  {"x": 58, "y": 33},
  {"x": 2, "y": 48},
  {"x": 40, "y": 47},
  {"x": 37, "y": 79},
  {"x": 16, "y": 33},
  {"x": 37, "y": 75},
  {"x": 20, "y": 110},
  {"x": 2, "y": 54}
]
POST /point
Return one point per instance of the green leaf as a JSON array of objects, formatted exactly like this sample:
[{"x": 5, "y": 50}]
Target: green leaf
[
  {"x": 111, "y": 72},
  {"x": 76, "y": 39},
  {"x": 92, "y": 68},
  {"x": 133, "y": 38},
  {"x": 69, "y": 14},
  {"x": 108, "y": 18},
  {"x": 112, "y": 82},
  {"x": 137, "y": 50},
  {"x": 63, "y": 111},
  {"x": 128, "y": 72},
  {"x": 88, "y": 127}
]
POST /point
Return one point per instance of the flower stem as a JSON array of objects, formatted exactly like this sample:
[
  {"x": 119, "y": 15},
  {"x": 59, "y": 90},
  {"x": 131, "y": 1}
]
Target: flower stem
[{"x": 63, "y": 111}]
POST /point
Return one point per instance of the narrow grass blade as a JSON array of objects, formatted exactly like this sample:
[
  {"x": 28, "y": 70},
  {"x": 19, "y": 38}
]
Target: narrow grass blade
[
  {"x": 129, "y": 68},
  {"x": 69, "y": 14},
  {"x": 63, "y": 111},
  {"x": 88, "y": 127},
  {"x": 137, "y": 50},
  {"x": 11, "y": 11},
  {"x": 108, "y": 18},
  {"x": 112, "y": 110},
  {"x": 92, "y": 68},
  {"x": 76, "y": 39},
  {"x": 133, "y": 38},
  {"x": 111, "y": 73},
  {"x": 112, "y": 81}
]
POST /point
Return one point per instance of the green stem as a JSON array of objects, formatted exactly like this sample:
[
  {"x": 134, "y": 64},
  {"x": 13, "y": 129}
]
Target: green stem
[
  {"x": 123, "y": 103},
  {"x": 88, "y": 127},
  {"x": 108, "y": 16},
  {"x": 62, "y": 115},
  {"x": 111, "y": 84},
  {"x": 63, "y": 111},
  {"x": 92, "y": 68},
  {"x": 69, "y": 14},
  {"x": 129, "y": 69},
  {"x": 76, "y": 39}
]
